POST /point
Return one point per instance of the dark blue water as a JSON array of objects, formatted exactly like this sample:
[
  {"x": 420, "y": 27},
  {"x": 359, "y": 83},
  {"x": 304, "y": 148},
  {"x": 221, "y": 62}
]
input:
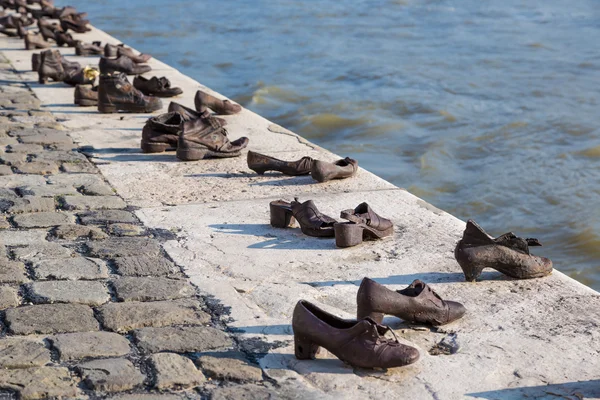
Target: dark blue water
[{"x": 488, "y": 110}]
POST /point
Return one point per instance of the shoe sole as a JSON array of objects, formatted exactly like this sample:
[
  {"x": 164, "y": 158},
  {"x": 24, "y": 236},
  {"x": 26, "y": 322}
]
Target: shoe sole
[
  {"x": 86, "y": 103},
  {"x": 113, "y": 108},
  {"x": 199, "y": 154}
]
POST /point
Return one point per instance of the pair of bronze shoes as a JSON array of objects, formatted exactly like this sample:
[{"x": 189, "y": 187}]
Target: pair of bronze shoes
[
  {"x": 321, "y": 171},
  {"x": 51, "y": 65},
  {"x": 508, "y": 254},
  {"x": 362, "y": 342},
  {"x": 195, "y": 134},
  {"x": 363, "y": 223}
]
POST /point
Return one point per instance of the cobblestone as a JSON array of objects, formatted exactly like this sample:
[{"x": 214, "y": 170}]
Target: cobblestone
[
  {"x": 104, "y": 217},
  {"x": 126, "y": 230},
  {"x": 123, "y": 317},
  {"x": 51, "y": 318},
  {"x": 151, "y": 289},
  {"x": 6, "y": 170},
  {"x": 246, "y": 392},
  {"x": 173, "y": 370},
  {"x": 181, "y": 339},
  {"x": 60, "y": 156},
  {"x": 8, "y": 297},
  {"x": 70, "y": 269},
  {"x": 124, "y": 247},
  {"x": 4, "y": 224},
  {"x": 12, "y": 272},
  {"x": 229, "y": 366},
  {"x": 29, "y": 204},
  {"x": 79, "y": 168},
  {"x": 47, "y": 190},
  {"x": 75, "y": 346},
  {"x": 97, "y": 189},
  {"x": 12, "y": 158},
  {"x": 39, "y": 383},
  {"x": 143, "y": 266},
  {"x": 93, "y": 202},
  {"x": 40, "y": 251},
  {"x": 23, "y": 353},
  {"x": 36, "y": 167},
  {"x": 110, "y": 375},
  {"x": 92, "y": 293},
  {"x": 25, "y": 148},
  {"x": 74, "y": 232},
  {"x": 42, "y": 219},
  {"x": 54, "y": 137}
]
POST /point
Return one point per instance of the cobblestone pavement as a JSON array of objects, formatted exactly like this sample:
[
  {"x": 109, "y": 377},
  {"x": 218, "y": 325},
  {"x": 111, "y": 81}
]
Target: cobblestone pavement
[{"x": 91, "y": 305}]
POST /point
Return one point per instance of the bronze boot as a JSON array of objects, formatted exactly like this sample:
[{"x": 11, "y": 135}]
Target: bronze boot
[
  {"x": 188, "y": 114},
  {"x": 204, "y": 138},
  {"x": 33, "y": 42},
  {"x": 115, "y": 93},
  {"x": 36, "y": 59},
  {"x": 508, "y": 254},
  {"x": 260, "y": 164},
  {"x": 359, "y": 343},
  {"x": 417, "y": 303},
  {"x": 51, "y": 67},
  {"x": 202, "y": 101},
  {"x": 86, "y": 95},
  {"x": 323, "y": 171},
  {"x": 161, "y": 133}
]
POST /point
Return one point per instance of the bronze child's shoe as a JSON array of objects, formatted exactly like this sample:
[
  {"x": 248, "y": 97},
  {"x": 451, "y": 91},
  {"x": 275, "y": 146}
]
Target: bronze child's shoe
[
  {"x": 205, "y": 138},
  {"x": 202, "y": 101},
  {"x": 51, "y": 67},
  {"x": 161, "y": 133},
  {"x": 323, "y": 171},
  {"x": 417, "y": 303},
  {"x": 260, "y": 164},
  {"x": 33, "y": 42},
  {"x": 312, "y": 222},
  {"x": 364, "y": 224},
  {"x": 359, "y": 343},
  {"x": 115, "y": 93},
  {"x": 159, "y": 87},
  {"x": 86, "y": 95},
  {"x": 507, "y": 253}
]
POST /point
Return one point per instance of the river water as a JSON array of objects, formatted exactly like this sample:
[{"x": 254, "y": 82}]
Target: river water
[{"x": 487, "y": 109}]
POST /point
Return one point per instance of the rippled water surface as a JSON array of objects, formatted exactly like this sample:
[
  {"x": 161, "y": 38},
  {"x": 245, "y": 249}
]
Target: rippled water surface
[{"x": 487, "y": 109}]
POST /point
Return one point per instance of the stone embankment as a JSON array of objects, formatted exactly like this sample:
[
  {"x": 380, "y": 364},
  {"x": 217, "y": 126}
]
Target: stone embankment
[{"x": 134, "y": 276}]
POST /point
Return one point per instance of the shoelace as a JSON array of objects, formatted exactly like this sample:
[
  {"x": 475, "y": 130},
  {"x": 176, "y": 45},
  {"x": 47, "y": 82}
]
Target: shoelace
[{"x": 380, "y": 338}]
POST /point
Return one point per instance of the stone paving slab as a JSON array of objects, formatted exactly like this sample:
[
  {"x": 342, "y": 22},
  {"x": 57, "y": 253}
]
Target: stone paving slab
[
  {"x": 110, "y": 375},
  {"x": 40, "y": 251},
  {"x": 42, "y": 220},
  {"x": 143, "y": 266},
  {"x": 75, "y": 346},
  {"x": 91, "y": 293},
  {"x": 172, "y": 370},
  {"x": 46, "y": 190},
  {"x": 23, "y": 353},
  {"x": 40, "y": 383},
  {"x": 229, "y": 366},
  {"x": 104, "y": 217},
  {"x": 182, "y": 339},
  {"x": 12, "y": 272},
  {"x": 8, "y": 296},
  {"x": 151, "y": 289},
  {"x": 124, "y": 247},
  {"x": 75, "y": 232},
  {"x": 51, "y": 318},
  {"x": 92, "y": 203},
  {"x": 70, "y": 269}
]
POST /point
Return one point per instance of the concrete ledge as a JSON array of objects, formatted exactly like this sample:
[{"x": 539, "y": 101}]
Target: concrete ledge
[{"x": 536, "y": 338}]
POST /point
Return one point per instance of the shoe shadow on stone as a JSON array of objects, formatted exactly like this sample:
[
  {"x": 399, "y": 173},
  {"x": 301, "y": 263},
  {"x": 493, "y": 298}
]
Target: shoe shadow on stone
[
  {"x": 226, "y": 175},
  {"x": 401, "y": 280},
  {"x": 289, "y": 181}
]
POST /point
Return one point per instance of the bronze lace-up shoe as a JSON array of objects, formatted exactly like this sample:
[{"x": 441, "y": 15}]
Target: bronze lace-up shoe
[
  {"x": 86, "y": 95},
  {"x": 359, "y": 343},
  {"x": 78, "y": 26},
  {"x": 188, "y": 114},
  {"x": 62, "y": 39},
  {"x": 46, "y": 33},
  {"x": 51, "y": 67},
  {"x": 33, "y": 42},
  {"x": 260, "y": 164},
  {"x": 204, "y": 138},
  {"x": 127, "y": 52},
  {"x": 312, "y": 222},
  {"x": 161, "y": 133},
  {"x": 364, "y": 224},
  {"x": 115, "y": 93},
  {"x": 87, "y": 49},
  {"x": 110, "y": 50},
  {"x": 323, "y": 171},
  {"x": 417, "y": 303},
  {"x": 122, "y": 64},
  {"x": 159, "y": 87},
  {"x": 507, "y": 253},
  {"x": 202, "y": 101}
]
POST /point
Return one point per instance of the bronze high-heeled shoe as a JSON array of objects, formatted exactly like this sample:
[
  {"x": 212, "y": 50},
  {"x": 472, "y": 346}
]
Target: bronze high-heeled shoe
[
  {"x": 359, "y": 343},
  {"x": 312, "y": 222},
  {"x": 364, "y": 224},
  {"x": 416, "y": 303},
  {"x": 507, "y": 253},
  {"x": 260, "y": 164}
]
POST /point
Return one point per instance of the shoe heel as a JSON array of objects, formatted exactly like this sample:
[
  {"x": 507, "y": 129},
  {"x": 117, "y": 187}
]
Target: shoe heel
[
  {"x": 106, "y": 108},
  {"x": 154, "y": 147},
  {"x": 43, "y": 80},
  {"x": 259, "y": 171},
  {"x": 375, "y": 316},
  {"x": 348, "y": 234},
  {"x": 304, "y": 348},
  {"x": 281, "y": 217}
]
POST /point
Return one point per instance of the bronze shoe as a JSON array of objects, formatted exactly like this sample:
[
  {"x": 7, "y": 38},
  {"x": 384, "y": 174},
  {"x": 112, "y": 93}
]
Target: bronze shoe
[
  {"x": 507, "y": 253},
  {"x": 159, "y": 87},
  {"x": 122, "y": 64},
  {"x": 33, "y": 42},
  {"x": 364, "y": 224},
  {"x": 80, "y": 76},
  {"x": 260, "y": 164},
  {"x": 127, "y": 52},
  {"x": 36, "y": 59},
  {"x": 87, "y": 49},
  {"x": 76, "y": 26},
  {"x": 359, "y": 343},
  {"x": 110, "y": 50},
  {"x": 417, "y": 303},
  {"x": 115, "y": 93},
  {"x": 46, "y": 33},
  {"x": 323, "y": 171},
  {"x": 204, "y": 138},
  {"x": 202, "y": 101},
  {"x": 188, "y": 114},
  {"x": 312, "y": 222},
  {"x": 161, "y": 133},
  {"x": 63, "y": 38},
  {"x": 86, "y": 95},
  {"x": 51, "y": 67}
]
